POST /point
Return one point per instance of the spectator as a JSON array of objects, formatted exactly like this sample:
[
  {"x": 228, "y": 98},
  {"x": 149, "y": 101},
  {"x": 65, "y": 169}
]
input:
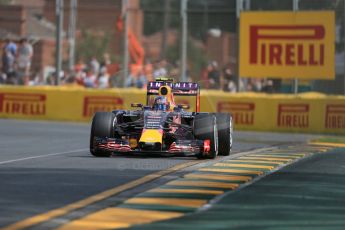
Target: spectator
[
  {"x": 106, "y": 60},
  {"x": 276, "y": 85},
  {"x": 112, "y": 70},
  {"x": 141, "y": 80},
  {"x": 175, "y": 72},
  {"x": 148, "y": 71},
  {"x": 71, "y": 81},
  {"x": 11, "y": 47},
  {"x": 103, "y": 78},
  {"x": 80, "y": 74},
  {"x": 130, "y": 81},
  {"x": 136, "y": 78},
  {"x": 8, "y": 60},
  {"x": 94, "y": 66},
  {"x": 257, "y": 84},
  {"x": 80, "y": 66},
  {"x": 229, "y": 84},
  {"x": 160, "y": 70},
  {"x": 254, "y": 85},
  {"x": 51, "y": 79},
  {"x": 62, "y": 76},
  {"x": 2, "y": 78},
  {"x": 213, "y": 75},
  {"x": 34, "y": 79},
  {"x": 268, "y": 86},
  {"x": 90, "y": 79},
  {"x": 24, "y": 56}
]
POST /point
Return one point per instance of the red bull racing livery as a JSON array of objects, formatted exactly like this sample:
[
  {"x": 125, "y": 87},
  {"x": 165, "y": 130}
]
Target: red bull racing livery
[{"x": 162, "y": 126}]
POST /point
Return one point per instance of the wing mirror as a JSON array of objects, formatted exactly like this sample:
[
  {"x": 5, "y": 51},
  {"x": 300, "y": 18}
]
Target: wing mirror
[{"x": 136, "y": 105}]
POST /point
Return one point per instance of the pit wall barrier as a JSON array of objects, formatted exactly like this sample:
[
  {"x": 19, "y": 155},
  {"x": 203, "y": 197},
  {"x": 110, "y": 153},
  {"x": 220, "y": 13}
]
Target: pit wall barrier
[{"x": 307, "y": 112}]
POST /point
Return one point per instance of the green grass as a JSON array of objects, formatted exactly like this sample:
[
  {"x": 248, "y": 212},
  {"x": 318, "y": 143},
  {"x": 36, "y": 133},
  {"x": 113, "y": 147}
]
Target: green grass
[{"x": 331, "y": 139}]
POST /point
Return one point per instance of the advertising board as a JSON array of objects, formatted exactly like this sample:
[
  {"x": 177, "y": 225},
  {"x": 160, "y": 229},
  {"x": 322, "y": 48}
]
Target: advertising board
[{"x": 287, "y": 44}]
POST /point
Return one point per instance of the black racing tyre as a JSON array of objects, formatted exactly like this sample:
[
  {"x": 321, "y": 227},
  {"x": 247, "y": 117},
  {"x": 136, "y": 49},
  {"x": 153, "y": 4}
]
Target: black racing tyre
[
  {"x": 205, "y": 128},
  {"x": 102, "y": 126},
  {"x": 225, "y": 130}
]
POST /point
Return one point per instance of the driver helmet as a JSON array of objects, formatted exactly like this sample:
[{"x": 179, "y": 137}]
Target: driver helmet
[{"x": 161, "y": 103}]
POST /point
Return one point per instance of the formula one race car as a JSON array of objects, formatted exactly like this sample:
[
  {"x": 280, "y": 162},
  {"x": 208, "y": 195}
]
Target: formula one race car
[{"x": 162, "y": 127}]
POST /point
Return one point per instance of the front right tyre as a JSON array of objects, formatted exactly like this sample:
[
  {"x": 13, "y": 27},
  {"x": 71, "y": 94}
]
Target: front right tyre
[
  {"x": 205, "y": 128},
  {"x": 225, "y": 130},
  {"x": 102, "y": 126}
]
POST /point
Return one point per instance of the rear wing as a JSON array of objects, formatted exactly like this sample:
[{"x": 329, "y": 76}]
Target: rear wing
[{"x": 177, "y": 88}]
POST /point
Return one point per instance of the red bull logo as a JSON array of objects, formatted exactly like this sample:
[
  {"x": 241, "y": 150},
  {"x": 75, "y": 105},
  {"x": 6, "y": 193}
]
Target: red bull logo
[
  {"x": 265, "y": 49},
  {"x": 293, "y": 115},
  {"x": 23, "y": 104},
  {"x": 93, "y": 104},
  {"x": 242, "y": 112},
  {"x": 335, "y": 117}
]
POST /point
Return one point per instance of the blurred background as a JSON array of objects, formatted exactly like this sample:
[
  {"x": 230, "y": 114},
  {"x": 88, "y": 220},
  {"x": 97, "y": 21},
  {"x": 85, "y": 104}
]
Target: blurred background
[{"x": 196, "y": 40}]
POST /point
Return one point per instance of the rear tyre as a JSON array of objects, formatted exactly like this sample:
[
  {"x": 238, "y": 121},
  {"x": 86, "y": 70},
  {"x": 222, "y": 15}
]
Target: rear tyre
[
  {"x": 102, "y": 126},
  {"x": 224, "y": 126},
  {"x": 205, "y": 128}
]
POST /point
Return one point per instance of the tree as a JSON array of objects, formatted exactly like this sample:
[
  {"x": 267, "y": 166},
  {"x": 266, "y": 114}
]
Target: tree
[
  {"x": 196, "y": 59},
  {"x": 5, "y": 2},
  {"x": 92, "y": 45}
]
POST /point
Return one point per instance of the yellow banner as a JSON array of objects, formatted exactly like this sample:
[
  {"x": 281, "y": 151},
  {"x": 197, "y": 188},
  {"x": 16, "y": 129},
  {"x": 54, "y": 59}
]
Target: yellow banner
[
  {"x": 308, "y": 112},
  {"x": 287, "y": 44}
]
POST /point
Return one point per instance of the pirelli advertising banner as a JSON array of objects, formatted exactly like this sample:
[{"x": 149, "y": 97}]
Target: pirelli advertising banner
[
  {"x": 287, "y": 44},
  {"x": 59, "y": 103},
  {"x": 307, "y": 113}
]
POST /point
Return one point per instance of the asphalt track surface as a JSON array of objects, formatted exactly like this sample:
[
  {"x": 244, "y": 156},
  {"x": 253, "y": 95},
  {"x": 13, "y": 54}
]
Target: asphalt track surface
[{"x": 47, "y": 165}]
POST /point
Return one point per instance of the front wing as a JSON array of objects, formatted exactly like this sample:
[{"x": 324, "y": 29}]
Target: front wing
[{"x": 179, "y": 147}]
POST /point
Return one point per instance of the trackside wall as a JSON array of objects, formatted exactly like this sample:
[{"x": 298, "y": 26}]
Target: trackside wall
[{"x": 308, "y": 112}]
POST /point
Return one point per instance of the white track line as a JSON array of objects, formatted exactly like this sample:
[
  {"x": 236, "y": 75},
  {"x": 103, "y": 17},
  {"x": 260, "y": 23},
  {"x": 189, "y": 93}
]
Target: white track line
[{"x": 41, "y": 156}]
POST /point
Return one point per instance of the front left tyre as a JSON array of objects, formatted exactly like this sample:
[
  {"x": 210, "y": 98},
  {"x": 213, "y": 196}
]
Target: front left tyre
[{"x": 102, "y": 126}]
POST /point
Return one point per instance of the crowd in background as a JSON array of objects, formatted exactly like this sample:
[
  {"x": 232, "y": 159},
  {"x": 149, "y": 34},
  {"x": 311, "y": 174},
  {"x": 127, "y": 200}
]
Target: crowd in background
[
  {"x": 16, "y": 62},
  {"x": 102, "y": 74},
  {"x": 106, "y": 74},
  {"x": 214, "y": 77},
  {"x": 91, "y": 74}
]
